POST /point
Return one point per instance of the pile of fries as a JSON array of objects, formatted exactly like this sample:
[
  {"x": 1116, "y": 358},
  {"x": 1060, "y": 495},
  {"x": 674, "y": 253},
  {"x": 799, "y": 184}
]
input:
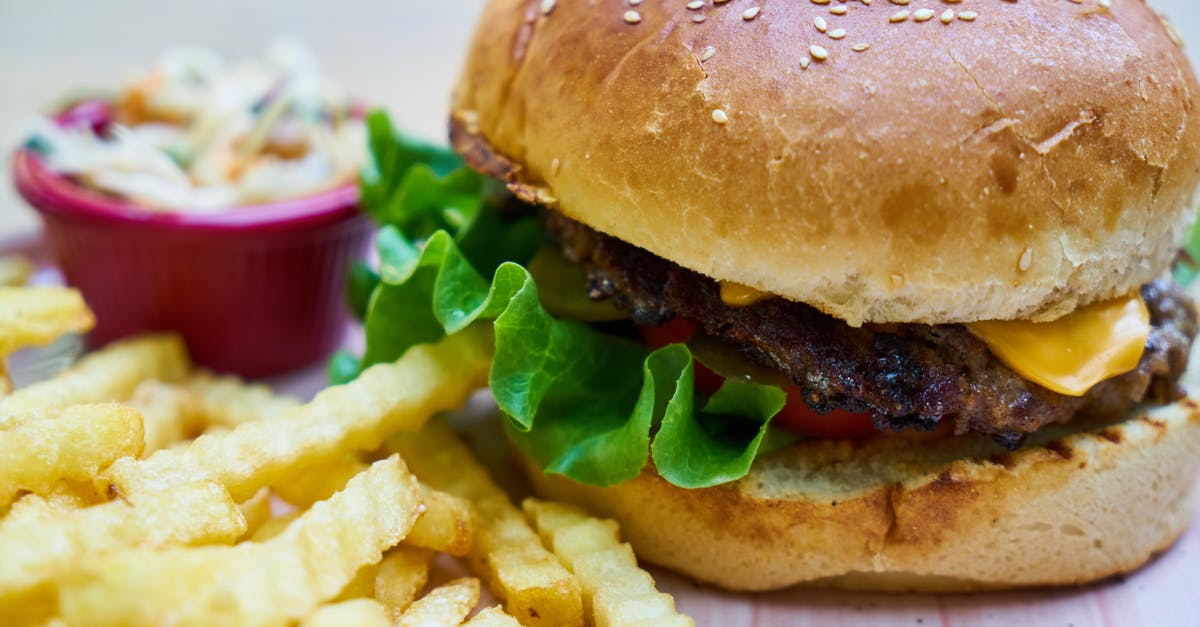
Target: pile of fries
[{"x": 137, "y": 490}]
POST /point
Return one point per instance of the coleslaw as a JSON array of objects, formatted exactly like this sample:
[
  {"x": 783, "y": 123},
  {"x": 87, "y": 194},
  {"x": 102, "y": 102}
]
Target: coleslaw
[{"x": 199, "y": 134}]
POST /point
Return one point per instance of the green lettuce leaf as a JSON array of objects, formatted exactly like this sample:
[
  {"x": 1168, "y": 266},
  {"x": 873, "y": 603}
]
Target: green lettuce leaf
[
  {"x": 590, "y": 406},
  {"x": 573, "y": 396},
  {"x": 361, "y": 284},
  {"x": 392, "y": 155},
  {"x": 421, "y": 189},
  {"x": 1188, "y": 265}
]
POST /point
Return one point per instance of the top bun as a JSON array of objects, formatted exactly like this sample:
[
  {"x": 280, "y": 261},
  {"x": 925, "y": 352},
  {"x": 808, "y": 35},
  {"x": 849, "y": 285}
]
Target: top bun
[{"x": 1016, "y": 161}]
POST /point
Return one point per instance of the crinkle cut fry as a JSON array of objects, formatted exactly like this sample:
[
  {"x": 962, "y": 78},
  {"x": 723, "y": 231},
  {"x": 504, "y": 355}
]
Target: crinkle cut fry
[
  {"x": 110, "y": 374},
  {"x": 615, "y": 590},
  {"x": 506, "y": 552},
  {"x": 383, "y": 400},
  {"x": 269, "y": 583}
]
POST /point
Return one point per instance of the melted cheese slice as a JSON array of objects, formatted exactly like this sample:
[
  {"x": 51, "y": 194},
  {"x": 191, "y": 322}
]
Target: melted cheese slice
[
  {"x": 1075, "y": 352},
  {"x": 738, "y": 295}
]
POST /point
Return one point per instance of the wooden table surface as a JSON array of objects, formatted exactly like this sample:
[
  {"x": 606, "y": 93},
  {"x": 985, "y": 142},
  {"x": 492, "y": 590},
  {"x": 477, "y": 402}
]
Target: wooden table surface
[{"x": 404, "y": 55}]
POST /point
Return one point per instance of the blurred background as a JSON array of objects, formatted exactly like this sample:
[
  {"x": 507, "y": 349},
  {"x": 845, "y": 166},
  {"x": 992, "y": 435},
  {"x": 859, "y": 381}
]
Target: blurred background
[{"x": 400, "y": 54}]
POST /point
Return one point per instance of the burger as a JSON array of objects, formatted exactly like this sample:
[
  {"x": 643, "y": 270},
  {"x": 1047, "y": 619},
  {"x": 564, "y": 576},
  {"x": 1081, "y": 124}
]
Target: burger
[{"x": 874, "y": 296}]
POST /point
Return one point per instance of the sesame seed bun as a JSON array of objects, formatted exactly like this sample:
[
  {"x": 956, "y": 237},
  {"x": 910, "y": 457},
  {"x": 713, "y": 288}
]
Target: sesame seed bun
[
  {"x": 1075, "y": 505},
  {"x": 1014, "y": 161}
]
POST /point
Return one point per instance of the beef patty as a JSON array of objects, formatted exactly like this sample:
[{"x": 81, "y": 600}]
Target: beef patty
[{"x": 903, "y": 375}]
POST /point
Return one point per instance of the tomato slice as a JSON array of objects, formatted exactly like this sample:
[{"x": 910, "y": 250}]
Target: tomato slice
[
  {"x": 837, "y": 424},
  {"x": 677, "y": 331},
  {"x": 795, "y": 415}
]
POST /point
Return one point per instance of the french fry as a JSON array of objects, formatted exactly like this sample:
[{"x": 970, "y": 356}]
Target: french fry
[
  {"x": 164, "y": 552},
  {"x": 447, "y": 604},
  {"x": 37, "y": 505},
  {"x": 256, "y": 510},
  {"x": 228, "y": 401},
  {"x": 270, "y": 583},
  {"x": 401, "y": 576},
  {"x": 36, "y": 316},
  {"x": 445, "y": 525},
  {"x": 385, "y": 399},
  {"x": 74, "y": 494},
  {"x": 505, "y": 551},
  {"x": 167, "y": 414},
  {"x": 38, "y": 609},
  {"x": 615, "y": 590},
  {"x": 352, "y": 613},
  {"x": 317, "y": 483},
  {"x": 272, "y": 527},
  {"x": 362, "y": 586},
  {"x": 41, "y": 537},
  {"x": 15, "y": 270},
  {"x": 210, "y": 431},
  {"x": 110, "y": 374},
  {"x": 75, "y": 446},
  {"x": 492, "y": 617}
]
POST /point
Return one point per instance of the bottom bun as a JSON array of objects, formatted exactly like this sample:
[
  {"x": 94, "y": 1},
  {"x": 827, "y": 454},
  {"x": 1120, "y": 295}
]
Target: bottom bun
[{"x": 1078, "y": 503}]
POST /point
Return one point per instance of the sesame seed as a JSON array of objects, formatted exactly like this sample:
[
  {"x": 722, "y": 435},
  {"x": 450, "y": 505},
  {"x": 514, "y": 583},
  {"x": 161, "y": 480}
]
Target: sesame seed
[
  {"x": 924, "y": 15},
  {"x": 952, "y": 1},
  {"x": 899, "y": 2},
  {"x": 719, "y": 116},
  {"x": 818, "y": 52},
  {"x": 751, "y": 13},
  {"x": 695, "y": 4},
  {"x": 947, "y": 16},
  {"x": 866, "y": 2},
  {"x": 863, "y": 47},
  {"x": 708, "y": 53},
  {"x": 820, "y": 1},
  {"x": 837, "y": 33},
  {"x": 838, "y": 10},
  {"x": 967, "y": 16},
  {"x": 898, "y": 16},
  {"x": 1104, "y": 4},
  {"x": 548, "y": 6},
  {"x": 545, "y": 197},
  {"x": 699, "y": 17},
  {"x": 821, "y": 24},
  {"x": 804, "y": 62},
  {"x": 555, "y": 164},
  {"x": 897, "y": 280},
  {"x": 634, "y": 3},
  {"x": 1026, "y": 260},
  {"x": 720, "y": 1},
  {"x": 633, "y": 17}
]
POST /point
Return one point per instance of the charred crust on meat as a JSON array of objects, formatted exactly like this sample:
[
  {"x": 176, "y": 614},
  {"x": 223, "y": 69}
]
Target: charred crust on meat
[
  {"x": 599, "y": 287},
  {"x": 1010, "y": 440},
  {"x": 906, "y": 376},
  {"x": 477, "y": 152}
]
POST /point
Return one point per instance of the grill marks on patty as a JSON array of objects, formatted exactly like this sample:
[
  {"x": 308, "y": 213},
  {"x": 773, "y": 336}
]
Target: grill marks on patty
[{"x": 905, "y": 375}]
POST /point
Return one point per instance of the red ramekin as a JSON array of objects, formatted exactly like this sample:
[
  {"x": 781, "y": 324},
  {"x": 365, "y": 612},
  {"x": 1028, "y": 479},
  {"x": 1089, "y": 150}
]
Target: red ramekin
[{"x": 254, "y": 291}]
